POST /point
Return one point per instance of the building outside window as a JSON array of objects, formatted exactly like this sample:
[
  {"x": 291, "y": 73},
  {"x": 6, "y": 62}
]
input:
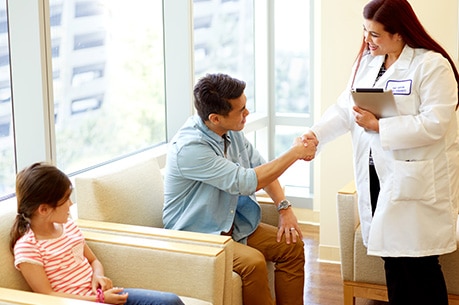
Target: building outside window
[
  {"x": 108, "y": 79},
  {"x": 224, "y": 41}
]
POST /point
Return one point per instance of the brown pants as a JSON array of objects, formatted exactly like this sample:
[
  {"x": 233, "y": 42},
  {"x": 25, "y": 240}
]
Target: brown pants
[{"x": 250, "y": 264}]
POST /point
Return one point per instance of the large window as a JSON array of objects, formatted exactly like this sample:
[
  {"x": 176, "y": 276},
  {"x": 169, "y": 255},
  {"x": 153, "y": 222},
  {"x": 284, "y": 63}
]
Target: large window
[
  {"x": 292, "y": 56},
  {"x": 7, "y": 159},
  {"x": 224, "y": 41},
  {"x": 293, "y": 88},
  {"x": 95, "y": 89},
  {"x": 108, "y": 79}
]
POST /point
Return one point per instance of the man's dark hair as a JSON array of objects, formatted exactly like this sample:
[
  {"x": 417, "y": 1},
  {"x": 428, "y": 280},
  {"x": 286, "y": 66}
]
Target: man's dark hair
[{"x": 213, "y": 92}]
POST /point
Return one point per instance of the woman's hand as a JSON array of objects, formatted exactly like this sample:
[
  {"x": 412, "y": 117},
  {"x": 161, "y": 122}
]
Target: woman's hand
[
  {"x": 309, "y": 135},
  {"x": 309, "y": 139},
  {"x": 307, "y": 148},
  {"x": 366, "y": 119}
]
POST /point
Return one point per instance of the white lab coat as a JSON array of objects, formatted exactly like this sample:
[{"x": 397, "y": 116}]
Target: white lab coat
[{"x": 416, "y": 155}]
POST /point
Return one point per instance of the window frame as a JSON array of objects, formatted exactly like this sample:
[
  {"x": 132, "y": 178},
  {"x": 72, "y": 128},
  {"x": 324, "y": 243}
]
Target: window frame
[{"x": 32, "y": 78}]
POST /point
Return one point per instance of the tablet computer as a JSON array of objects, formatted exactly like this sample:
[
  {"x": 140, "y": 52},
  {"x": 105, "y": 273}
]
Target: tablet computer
[{"x": 376, "y": 100}]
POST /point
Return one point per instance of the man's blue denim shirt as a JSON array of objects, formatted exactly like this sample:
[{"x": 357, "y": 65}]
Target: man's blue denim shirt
[{"x": 206, "y": 192}]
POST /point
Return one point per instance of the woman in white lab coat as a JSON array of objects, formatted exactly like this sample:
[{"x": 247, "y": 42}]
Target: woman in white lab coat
[{"x": 406, "y": 166}]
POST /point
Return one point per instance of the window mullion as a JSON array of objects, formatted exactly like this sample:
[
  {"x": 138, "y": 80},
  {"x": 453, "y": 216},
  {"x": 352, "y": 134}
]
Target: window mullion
[
  {"x": 178, "y": 62},
  {"x": 31, "y": 101}
]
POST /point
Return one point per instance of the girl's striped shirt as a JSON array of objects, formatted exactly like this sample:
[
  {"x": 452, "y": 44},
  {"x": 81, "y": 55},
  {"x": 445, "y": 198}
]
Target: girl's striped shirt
[{"x": 62, "y": 258}]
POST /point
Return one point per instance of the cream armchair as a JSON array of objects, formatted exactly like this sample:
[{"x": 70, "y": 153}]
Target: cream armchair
[
  {"x": 21, "y": 297},
  {"x": 129, "y": 200},
  {"x": 194, "y": 272},
  {"x": 363, "y": 275},
  {"x": 189, "y": 240}
]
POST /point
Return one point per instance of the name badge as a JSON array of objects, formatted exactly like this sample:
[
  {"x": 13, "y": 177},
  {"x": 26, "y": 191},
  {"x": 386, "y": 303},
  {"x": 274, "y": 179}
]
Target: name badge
[{"x": 399, "y": 87}]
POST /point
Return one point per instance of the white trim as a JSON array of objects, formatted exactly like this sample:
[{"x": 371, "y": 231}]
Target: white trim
[
  {"x": 178, "y": 63},
  {"x": 33, "y": 124}
]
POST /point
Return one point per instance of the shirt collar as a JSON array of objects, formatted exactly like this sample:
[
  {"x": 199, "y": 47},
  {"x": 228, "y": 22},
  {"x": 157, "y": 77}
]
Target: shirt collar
[{"x": 206, "y": 130}]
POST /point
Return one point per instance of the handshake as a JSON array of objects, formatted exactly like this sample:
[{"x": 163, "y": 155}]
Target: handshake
[{"x": 306, "y": 146}]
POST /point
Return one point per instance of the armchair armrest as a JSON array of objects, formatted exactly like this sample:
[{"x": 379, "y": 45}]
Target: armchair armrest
[
  {"x": 20, "y": 297},
  {"x": 189, "y": 270},
  {"x": 188, "y": 239},
  {"x": 146, "y": 231},
  {"x": 348, "y": 221}
]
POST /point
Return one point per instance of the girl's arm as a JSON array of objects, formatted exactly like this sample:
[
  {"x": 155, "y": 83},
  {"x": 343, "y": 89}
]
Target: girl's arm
[
  {"x": 98, "y": 278},
  {"x": 36, "y": 278},
  {"x": 38, "y": 281}
]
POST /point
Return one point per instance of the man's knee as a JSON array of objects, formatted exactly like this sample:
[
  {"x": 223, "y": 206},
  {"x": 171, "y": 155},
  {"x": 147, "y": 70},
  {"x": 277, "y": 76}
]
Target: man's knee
[
  {"x": 299, "y": 249},
  {"x": 256, "y": 260},
  {"x": 294, "y": 250},
  {"x": 250, "y": 262}
]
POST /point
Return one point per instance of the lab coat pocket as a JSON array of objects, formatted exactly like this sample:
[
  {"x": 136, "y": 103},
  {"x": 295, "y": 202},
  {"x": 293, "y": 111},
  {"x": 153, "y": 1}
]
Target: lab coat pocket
[{"x": 414, "y": 181}]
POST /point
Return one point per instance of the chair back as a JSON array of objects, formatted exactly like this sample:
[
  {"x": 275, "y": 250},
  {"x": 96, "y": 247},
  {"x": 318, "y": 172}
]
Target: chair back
[
  {"x": 10, "y": 277},
  {"x": 131, "y": 194}
]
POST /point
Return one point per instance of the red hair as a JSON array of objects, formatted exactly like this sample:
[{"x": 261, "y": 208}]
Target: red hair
[{"x": 397, "y": 16}]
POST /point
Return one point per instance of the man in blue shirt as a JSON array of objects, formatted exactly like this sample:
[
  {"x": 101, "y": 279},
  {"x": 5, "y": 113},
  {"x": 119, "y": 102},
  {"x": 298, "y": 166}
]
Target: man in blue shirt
[{"x": 212, "y": 174}]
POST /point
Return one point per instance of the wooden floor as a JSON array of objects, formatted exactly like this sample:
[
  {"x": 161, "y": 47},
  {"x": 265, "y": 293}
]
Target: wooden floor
[{"x": 323, "y": 284}]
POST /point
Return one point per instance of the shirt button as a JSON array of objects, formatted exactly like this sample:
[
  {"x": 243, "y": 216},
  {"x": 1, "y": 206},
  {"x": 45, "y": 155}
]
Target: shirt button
[{"x": 232, "y": 211}]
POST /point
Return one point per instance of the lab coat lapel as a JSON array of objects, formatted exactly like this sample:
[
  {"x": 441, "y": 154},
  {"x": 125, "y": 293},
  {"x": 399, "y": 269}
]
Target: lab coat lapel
[{"x": 402, "y": 64}]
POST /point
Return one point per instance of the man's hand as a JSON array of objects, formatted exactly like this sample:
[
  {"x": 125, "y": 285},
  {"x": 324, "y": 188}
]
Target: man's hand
[
  {"x": 306, "y": 148},
  {"x": 288, "y": 226},
  {"x": 309, "y": 135},
  {"x": 310, "y": 139}
]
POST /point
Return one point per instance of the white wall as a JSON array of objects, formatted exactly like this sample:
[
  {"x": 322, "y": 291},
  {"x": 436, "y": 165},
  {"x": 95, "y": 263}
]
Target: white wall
[{"x": 338, "y": 36}]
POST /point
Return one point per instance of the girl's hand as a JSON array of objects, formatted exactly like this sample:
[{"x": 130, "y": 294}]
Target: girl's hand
[
  {"x": 366, "y": 119},
  {"x": 100, "y": 281},
  {"x": 115, "y": 296}
]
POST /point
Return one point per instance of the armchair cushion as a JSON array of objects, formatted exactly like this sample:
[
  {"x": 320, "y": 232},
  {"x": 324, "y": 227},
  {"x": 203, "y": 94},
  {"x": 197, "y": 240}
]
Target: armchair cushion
[{"x": 108, "y": 195}]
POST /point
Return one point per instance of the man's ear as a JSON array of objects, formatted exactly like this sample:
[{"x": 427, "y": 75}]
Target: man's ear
[{"x": 214, "y": 118}]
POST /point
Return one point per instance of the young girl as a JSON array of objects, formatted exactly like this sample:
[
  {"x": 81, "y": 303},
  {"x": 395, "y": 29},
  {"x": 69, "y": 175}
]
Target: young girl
[{"x": 50, "y": 250}]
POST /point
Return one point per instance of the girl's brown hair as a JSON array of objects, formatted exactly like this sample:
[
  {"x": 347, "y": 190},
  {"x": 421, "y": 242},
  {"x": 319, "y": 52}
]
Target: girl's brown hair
[{"x": 37, "y": 184}]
